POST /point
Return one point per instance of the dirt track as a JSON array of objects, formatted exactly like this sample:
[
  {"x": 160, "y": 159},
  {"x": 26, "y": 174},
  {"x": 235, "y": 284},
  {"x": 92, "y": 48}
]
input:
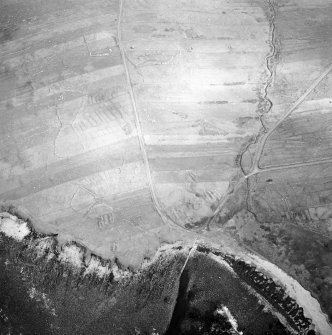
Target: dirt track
[{"x": 125, "y": 124}]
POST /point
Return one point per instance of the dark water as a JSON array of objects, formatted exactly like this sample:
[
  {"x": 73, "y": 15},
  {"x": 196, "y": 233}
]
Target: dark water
[
  {"x": 205, "y": 286},
  {"x": 157, "y": 298},
  {"x": 18, "y": 313}
]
